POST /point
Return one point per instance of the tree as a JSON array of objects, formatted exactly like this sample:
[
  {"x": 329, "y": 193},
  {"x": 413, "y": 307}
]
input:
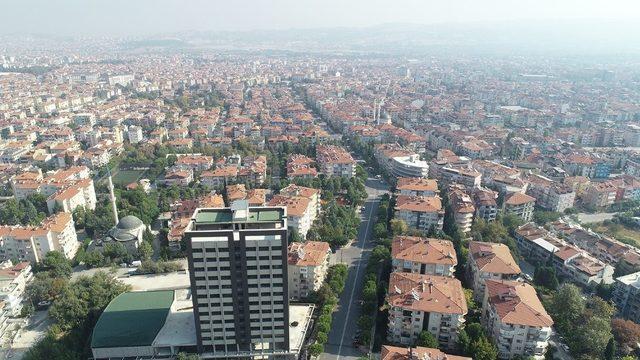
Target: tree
[
  {"x": 626, "y": 333},
  {"x": 145, "y": 250},
  {"x": 426, "y": 339},
  {"x": 546, "y": 276},
  {"x": 316, "y": 349},
  {"x": 45, "y": 288},
  {"x": 56, "y": 264},
  {"x": 567, "y": 306},
  {"x": 398, "y": 227},
  {"x": 185, "y": 356},
  {"x": 483, "y": 349},
  {"x": 295, "y": 237},
  {"x": 610, "y": 350},
  {"x": 80, "y": 304}
]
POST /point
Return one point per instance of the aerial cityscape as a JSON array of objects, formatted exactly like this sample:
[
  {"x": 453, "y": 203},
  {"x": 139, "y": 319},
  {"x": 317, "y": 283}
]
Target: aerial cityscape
[{"x": 322, "y": 181}]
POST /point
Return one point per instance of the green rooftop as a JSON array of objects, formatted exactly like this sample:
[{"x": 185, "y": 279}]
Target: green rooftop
[
  {"x": 132, "y": 319},
  {"x": 226, "y": 216}
]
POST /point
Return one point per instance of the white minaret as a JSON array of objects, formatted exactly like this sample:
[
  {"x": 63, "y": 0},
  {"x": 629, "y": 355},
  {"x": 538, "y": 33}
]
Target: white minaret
[{"x": 113, "y": 197}]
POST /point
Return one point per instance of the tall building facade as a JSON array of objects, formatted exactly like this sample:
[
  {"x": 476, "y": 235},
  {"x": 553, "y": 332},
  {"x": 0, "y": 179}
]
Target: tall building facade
[{"x": 238, "y": 270}]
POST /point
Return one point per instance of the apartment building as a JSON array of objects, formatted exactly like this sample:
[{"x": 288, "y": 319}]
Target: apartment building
[
  {"x": 550, "y": 195},
  {"x": 57, "y": 232},
  {"x": 423, "y": 256},
  {"x": 416, "y": 353},
  {"x": 520, "y": 205},
  {"x": 469, "y": 178},
  {"x": 485, "y": 204},
  {"x": 335, "y": 161},
  {"x": 409, "y": 166},
  {"x": 300, "y": 212},
  {"x": 535, "y": 243},
  {"x": 626, "y": 296},
  {"x": 79, "y": 193},
  {"x": 420, "y": 212},
  {"x": 581, "y": 268},
  {"x": 413, "y": 186},
  {"x": 134, "y": 133},
  {"x": 239, "y": 280},
  {"x": 13, "y": 283},
  {"x": 600, "y": 195},
  {"x": 310, "y": 193},
  {"x": 515, "y": 318},
  {"x": 300, "y": 167},
  {"x": 194, "y": 162},
  {"x": 425, "y": 303},
  {"x": 489, "y": 261},
  {"x": 462, "y": 207},
  {"x": 385, "y": 153},
  {"x": 72, "y": 186},
  {"x": 308, "y": 264}
]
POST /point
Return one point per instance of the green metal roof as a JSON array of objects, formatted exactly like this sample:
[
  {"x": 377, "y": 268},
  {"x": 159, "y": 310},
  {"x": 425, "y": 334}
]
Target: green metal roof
[
  {"x": 213, "y": 217},
  {"x": 132, "y": 319},
  {"x": 226, "y": 216}
]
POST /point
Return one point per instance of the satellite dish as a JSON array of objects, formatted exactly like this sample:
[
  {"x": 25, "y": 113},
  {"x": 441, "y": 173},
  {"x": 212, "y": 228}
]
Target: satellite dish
[{"x": 417, "y": 104}]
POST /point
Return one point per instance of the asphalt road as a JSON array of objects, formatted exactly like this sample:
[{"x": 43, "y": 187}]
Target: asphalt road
[{"x": 344, "y": 325}]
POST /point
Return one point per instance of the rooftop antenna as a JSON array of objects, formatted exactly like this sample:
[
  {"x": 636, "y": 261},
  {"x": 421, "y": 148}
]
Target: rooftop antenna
[{"x": 112, "y": 195}]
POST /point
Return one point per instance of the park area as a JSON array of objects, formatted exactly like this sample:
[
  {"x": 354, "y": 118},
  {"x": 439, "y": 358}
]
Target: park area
[{"x": 126, "y": 177}]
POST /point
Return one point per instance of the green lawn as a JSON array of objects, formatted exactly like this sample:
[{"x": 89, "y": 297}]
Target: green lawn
[{"x": 126, "y": 177}]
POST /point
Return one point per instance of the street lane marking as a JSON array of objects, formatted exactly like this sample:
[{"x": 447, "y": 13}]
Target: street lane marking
[{"x": 353, "y": 289}]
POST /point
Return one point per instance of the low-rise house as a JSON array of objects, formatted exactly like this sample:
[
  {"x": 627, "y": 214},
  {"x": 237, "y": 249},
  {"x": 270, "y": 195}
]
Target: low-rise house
[
  {"x": 425, "y": 302},
  {"x": 489, "y": 261},
  {"x": 520, "y": 205},
  {"x": 514, "y": 317},
  {"x": 308, "y": 265},
  {"x": 423, "y": 256},
  {"x": 420, "y": 212}
]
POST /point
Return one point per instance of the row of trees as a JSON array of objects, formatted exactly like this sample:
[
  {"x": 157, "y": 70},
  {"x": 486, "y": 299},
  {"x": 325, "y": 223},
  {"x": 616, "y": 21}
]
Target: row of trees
[
  {"x": 327, "y": 298},
  {"x": 337, "y": 225},
  {"x": 29, "y": 211}
]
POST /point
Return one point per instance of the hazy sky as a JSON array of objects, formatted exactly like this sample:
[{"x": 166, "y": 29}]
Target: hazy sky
[{"x": 142, "y": 17}]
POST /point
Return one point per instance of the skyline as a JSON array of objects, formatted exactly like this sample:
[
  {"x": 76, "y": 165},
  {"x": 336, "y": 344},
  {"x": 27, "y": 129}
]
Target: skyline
[{"x": 147, "y": 17}]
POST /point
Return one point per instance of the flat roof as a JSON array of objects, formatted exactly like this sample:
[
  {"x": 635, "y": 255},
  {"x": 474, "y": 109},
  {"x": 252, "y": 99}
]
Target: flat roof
[
  {"x": 132, "y": 319},
  {"x": 218, "y": 216},
  {"x": 180, "y": 327}
]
